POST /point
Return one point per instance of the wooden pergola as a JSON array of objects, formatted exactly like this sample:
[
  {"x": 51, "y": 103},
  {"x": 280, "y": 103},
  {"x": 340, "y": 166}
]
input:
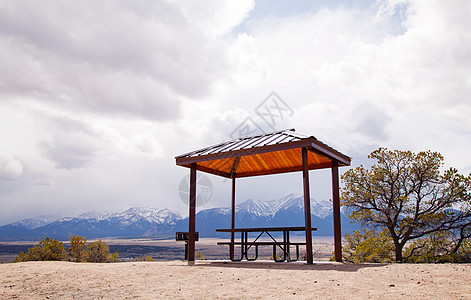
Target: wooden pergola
[{"x": 272, "y": 153}]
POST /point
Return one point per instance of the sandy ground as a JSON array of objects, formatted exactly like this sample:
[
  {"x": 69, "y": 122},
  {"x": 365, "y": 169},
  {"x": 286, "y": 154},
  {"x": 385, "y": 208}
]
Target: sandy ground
[{"x": 246, "y": 280}]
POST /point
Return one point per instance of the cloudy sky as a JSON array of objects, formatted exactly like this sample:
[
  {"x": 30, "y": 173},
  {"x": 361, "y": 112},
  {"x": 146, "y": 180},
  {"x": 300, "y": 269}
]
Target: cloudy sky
[{"x": 98, "y": 97}]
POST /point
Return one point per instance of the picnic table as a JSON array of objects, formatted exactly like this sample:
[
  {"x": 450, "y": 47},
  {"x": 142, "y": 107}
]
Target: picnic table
[{"x": 245, "y": 244}]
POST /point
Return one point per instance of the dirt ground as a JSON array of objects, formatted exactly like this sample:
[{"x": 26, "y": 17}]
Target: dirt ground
[{"x": 223, "y": 279}]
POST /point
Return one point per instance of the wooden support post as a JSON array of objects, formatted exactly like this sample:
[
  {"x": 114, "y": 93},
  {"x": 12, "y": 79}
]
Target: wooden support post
[
  {"x": 192, "y": 216},
  {"x": 336, "y": 212},
  {"x": 307, "y": 206},
  {"x": 233, "y": 208}
]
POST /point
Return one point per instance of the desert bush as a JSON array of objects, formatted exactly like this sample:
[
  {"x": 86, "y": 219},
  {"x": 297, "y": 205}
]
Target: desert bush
[
  {"x": 277, "y": 257},
  {"x": 464, "y": 251},
  {"x": 368, "y": 246},
  {"x": 145, "y": 258},
  {"x": 47, "y": 249},
  {"x": 200, "y": 256},
  {"x": 99, "y": 252},
  {"x": 77, "y": 251},
  {"x": 433, "y": 248},
  {"x": 377, "y": 247},
  {"x": 439, "y": 248}
]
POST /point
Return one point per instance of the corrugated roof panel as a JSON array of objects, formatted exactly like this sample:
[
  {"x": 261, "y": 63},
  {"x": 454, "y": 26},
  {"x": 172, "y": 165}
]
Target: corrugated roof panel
[
  {"x": 282, "y": 138},
  {"x": 238, "y": 144},
  {"x": 270, "y": 139},
  {"x": 245, "y": 143}
]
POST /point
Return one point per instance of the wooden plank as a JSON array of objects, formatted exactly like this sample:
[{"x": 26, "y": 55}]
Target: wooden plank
[
  {"x": 282, "y": 160},
  {"x": 263, "y": 243},
  {"x": 242, "y": 166},
  {"x": 248, "y": 164},
  {"x": 262, "y": 165},
  {"x": 285, "y": 159},
  {"x": 314, "y": 158},
  {"x": 270, "y": 159},
  {"x": 255, "y": 229},
  {"x": 295, "y": 156}
]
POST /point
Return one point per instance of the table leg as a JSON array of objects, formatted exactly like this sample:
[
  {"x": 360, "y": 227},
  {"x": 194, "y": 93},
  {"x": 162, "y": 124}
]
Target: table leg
[
  {"x": 287, "y": 246},
  {"x": 232, "y": 252}
]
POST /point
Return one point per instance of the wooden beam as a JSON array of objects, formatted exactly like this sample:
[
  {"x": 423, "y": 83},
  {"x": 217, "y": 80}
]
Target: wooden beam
[
  {"x": 307, "y": 207},
  {"x": 336, "y": 212},
  {"x": 192, "y": 216},
  {"x": 235, "y": 165}
]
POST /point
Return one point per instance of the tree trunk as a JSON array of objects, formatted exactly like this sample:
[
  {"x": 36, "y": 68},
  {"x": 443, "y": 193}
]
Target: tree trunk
[
  {"x": 397, "y": 245},
  {"x": 398, "y": 252}
]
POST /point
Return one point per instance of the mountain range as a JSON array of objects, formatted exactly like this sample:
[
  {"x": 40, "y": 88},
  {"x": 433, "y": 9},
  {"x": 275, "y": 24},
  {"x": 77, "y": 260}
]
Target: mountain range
[{"x": 153, "y": 222}]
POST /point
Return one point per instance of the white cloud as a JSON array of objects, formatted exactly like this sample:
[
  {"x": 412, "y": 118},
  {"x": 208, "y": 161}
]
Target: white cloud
[
  {"x": 108, "y": 57},
  {"x": 10, "y": 167},
  {"x": 97, "y": 98},
  {"x": 220, "y": 19}
]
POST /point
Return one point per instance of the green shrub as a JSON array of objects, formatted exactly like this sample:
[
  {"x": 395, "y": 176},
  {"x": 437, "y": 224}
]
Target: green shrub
[
  {"x": 200, "y": 256},
  {"x": 77, "y": 251},
  {"x": 368, "y": 246},
  {"x": 145, "y": 258},
  {"x": 377, "y": 247},
  {"x": 434, "y": 248},
  {"x": 464, "y": 251},
  {"x": 99, "y": 252},
  {"x": 47, "y": 249}
]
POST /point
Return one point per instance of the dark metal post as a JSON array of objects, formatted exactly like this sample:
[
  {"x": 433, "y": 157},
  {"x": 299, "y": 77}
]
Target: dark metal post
[
  {"x": 307, "y": 206},
  {"x": 233, "y": 208},
  {"x": 192, "y": 216},
  {"x": 186, "y": 250},
  {"x": 336, "y": 211}
]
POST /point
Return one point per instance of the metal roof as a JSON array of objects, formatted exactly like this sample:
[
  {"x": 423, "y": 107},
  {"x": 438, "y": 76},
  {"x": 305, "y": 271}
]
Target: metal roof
[{"x": 263, "y": 154}]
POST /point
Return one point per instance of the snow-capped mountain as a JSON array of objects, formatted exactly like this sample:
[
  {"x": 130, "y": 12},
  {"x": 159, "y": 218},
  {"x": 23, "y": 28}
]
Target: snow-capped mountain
[
  {"x": 286, "y": 211},
  {"x": 144, "y": 221},
  {"x": 270, "y": 208},
  {"x": 151, "y": 215},
  {"x": 136, "y": 221},
  {"x": 93, "y": 214},
  {"x": 37, "y": 222},
  {"x": 134, "y": 214},
  {"x": 320, "y": 209}
]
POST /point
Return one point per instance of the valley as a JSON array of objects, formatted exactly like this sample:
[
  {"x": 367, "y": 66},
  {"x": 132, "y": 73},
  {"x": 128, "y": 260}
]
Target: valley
[{"x": 169, "y": 249}]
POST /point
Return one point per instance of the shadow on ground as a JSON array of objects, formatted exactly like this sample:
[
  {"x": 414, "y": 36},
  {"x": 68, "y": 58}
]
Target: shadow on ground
[{"x": 270, "y": 265}]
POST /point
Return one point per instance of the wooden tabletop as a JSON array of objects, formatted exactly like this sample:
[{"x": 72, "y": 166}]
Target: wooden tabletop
[{"x": 265, "y": 229}]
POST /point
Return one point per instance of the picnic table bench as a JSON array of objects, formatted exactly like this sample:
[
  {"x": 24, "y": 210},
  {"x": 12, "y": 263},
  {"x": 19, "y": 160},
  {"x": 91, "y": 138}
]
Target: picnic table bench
[{"x": 245, "y": 244}]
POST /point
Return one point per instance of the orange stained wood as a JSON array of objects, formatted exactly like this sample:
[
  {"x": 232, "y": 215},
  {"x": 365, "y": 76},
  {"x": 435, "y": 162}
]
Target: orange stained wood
[{"x": 265, "y": 163}]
